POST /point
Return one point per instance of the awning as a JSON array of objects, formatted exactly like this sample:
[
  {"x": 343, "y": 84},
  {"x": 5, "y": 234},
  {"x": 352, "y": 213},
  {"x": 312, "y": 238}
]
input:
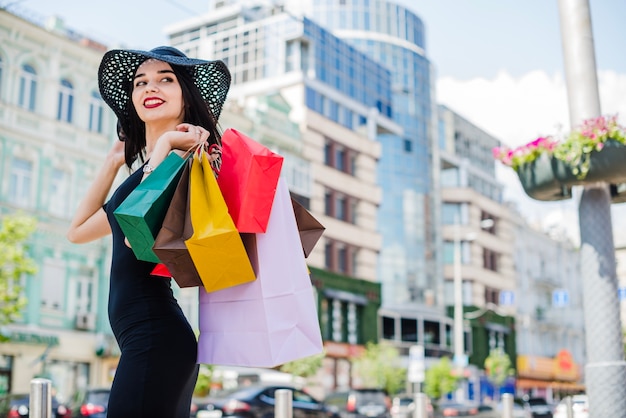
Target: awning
[{"x": 544, "y": 384}]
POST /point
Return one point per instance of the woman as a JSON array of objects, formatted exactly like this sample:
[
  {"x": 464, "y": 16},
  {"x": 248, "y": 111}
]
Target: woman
[{"x": 165, "y": 102}]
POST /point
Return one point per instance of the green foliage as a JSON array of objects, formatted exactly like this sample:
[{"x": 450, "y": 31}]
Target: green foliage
[
  {"x": 305, "y": 367},
  {"x": 205, "y": 377},
  {"x": 14, "y": 263},
  {"x": 498, "y": 366},
  {"x": 379, "y": 367},
  {"x": 439, "y": 379}
]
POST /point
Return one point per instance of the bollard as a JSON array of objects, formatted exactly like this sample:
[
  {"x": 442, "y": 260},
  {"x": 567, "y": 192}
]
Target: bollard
[
  {"x": 421, "y": 404},
  {"x": 569, "y": 407},
  {"x": 40, "y": 402},
  {"x": 507, "y": 405},
  {"x": 284, "y": 400}
]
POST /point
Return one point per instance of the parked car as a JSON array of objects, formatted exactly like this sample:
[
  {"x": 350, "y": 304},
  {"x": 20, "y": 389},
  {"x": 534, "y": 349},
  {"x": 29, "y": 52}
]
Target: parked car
[
  {"x": 454, "y": 409},
  {"x": 17, "y": 406},
  {"x": 359, "y": 403},
  {"x": 92, "y": 403},
  {"x": 520, "y": 410},
  {"x": 580, "y": 407},
  {"x": 403, "y": 406},
  {"x": 256, "y": 401},
  {"x": 539, "y": 407}
]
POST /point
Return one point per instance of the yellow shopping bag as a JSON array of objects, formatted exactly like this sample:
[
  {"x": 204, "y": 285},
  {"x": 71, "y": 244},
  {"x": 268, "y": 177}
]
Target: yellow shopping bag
[{"x": 215, "y": 247}]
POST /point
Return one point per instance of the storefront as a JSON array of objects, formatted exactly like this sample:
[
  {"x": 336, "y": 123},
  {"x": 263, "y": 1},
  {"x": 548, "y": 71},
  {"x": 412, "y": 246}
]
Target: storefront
[
  {"x": 547, "y": 377},
  {"x": 68, "y": 358}
]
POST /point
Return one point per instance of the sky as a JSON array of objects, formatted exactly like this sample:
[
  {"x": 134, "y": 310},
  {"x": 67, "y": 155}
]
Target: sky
[{"x": 499, "y": 64}]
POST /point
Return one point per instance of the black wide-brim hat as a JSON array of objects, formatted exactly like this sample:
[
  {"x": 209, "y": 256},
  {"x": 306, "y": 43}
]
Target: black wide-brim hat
[{"x": 118, "y": 68}]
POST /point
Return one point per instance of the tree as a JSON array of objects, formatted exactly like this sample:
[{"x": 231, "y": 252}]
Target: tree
[
  {"x": 14, "y": 263},
  {"x": 498, "y": 368},
  {"x": 379, "y": 366},
  {"x": 305, "y": 367},
  {"x": 205, "y": 378},
  {"x": 439, "y": 379}
]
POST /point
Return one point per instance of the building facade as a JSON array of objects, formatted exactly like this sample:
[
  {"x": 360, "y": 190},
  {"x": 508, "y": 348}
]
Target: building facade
[
  {"x": 409, "y": 267},
  {"x": 340, "y": 101},
  {"x": 54, "y": 135}
]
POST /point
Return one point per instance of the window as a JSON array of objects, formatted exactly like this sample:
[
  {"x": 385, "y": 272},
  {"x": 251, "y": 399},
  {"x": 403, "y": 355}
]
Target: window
[
  {"x": 58, "y": 192},
  {"x": 21, "y": 182},
  {"x": 95, "y": 112},
  {"x": 84, "y": 291},
  {"x": 492, "y": 295},
  {"x": 337, "y": 320},
  {"x": 408, "y": 146},
  {"x": 408, "y": 329},
  {"x": 389, "y": 328},
  {"x": 66, "y": 101},
  {"x": 490, "y": 260},
  {"x": 340, "y": 157},
  {"x": 28, "y": 88},
  {"x": 432, "y": 332},
  {"x": 340, "y": 257},
  {"x": 340, "y": 206},
  {"x": 53, "y": 285}
]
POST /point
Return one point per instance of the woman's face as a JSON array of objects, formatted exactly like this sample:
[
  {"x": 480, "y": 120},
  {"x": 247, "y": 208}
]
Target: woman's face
[{"x": 157, "y": 95}]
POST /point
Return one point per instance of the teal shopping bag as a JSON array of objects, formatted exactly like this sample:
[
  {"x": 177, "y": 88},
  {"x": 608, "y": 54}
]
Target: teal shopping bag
[{"x": 141, "y": 214}]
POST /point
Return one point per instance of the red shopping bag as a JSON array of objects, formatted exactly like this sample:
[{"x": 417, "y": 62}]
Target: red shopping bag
[{"x": 248, "y": 179}]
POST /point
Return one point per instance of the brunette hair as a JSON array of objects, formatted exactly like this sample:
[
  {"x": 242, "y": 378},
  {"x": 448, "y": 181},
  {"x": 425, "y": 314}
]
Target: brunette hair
[{"x": 197, "y": 112}]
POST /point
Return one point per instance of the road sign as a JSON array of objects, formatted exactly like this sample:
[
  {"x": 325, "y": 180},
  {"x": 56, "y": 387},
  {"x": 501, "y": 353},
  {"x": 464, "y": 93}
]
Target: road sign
[
  {"x": 507, "y": 297},
  {"x": 417, "y": 364},
  {"x": 621, "y": 292},
  {"x": 560, "y": 298}
]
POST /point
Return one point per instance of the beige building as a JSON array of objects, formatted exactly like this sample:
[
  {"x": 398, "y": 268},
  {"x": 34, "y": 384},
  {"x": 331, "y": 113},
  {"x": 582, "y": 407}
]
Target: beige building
[{"x": 54, "y": 134}]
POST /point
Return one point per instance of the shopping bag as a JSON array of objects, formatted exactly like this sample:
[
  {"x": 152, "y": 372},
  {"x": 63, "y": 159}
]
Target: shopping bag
[
  {"x": 215, "y": 245},
  {"x": 141, "y": 214},
  {"x": 169, "y": 244},
  {"x": 310, "y": 229},
  {"x": 248, "y": 178},
  {"x": 272, "y": 320}
]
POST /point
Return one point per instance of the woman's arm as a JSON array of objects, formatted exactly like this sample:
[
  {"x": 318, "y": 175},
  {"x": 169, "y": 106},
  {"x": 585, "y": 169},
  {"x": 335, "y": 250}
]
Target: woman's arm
[{"x": 90, "y": 221}]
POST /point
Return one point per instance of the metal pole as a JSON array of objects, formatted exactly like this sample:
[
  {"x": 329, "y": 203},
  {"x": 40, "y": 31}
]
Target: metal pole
[
  {"x": 421, "y": 405},
  {"x": 569, "y": 407},
  {"x": 459, "y": 346},
  {"x": 284, "y": 403},
  {"x": 507, "y": 405},
  {"x": 605, "y": 371},
  {"x": 40, "y": 402}
]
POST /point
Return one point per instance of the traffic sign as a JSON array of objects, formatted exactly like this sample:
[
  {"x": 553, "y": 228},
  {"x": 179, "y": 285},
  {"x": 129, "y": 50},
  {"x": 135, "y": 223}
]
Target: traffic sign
[
  {"x": 560, "y": 298},
  {"x": 417, "y": 364},
  {"x": 621, "y": 292},
  {"x": 507, "y": 297}
]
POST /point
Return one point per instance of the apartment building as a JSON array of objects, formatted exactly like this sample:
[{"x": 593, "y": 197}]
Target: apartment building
[
  {"x": 340, "y": 102},
  {"x": 54, "y": 134}
]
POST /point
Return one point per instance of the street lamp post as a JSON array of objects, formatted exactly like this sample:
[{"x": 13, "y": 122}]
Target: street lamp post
[
  {"x": 460, "y": 358},
  {"x": 459, "y": 346}
]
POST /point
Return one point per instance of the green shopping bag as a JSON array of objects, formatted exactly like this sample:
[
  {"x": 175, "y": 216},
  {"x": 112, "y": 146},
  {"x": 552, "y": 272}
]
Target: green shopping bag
[{"x": 141, "y": 214}]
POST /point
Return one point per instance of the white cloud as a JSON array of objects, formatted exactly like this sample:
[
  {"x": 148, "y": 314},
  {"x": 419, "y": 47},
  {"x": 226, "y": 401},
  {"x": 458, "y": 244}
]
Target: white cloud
[{"x": 518, "y": 110}]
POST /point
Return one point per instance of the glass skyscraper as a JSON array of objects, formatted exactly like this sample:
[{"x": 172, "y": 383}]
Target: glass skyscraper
[{"x": 394, "y": 36}]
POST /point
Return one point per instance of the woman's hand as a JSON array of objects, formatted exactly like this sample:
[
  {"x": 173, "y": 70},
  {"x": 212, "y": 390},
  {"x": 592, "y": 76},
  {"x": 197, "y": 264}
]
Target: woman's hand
[
  {"x": 185, "y": 137},
  {"x": 116, "y": 154}
]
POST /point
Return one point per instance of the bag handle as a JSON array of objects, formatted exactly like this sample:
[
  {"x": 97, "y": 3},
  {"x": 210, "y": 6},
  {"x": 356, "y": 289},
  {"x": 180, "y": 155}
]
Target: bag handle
[{"x": 214, "y": 155}]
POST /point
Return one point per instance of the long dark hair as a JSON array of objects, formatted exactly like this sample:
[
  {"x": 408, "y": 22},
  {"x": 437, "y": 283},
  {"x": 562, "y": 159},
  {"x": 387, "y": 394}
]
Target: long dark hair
[{"x": 197, "y": 112}]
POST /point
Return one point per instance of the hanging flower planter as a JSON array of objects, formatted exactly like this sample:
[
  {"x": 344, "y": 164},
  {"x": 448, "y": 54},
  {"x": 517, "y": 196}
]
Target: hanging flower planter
[
  {"x": 606, "y": 164},
  {"x": 539, "y": 181},
  {"x": 593, "y": 152}
]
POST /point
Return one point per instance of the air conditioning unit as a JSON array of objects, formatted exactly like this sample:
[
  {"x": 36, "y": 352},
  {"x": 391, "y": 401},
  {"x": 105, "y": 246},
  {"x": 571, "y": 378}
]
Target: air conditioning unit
[{"x": 86, "y": 321}]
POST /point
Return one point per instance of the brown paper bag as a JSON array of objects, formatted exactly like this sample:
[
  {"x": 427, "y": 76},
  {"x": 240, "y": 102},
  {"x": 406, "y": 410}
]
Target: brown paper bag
[
  {"x": 169, "y": 244},
  {"x": 310, "y": 229}
]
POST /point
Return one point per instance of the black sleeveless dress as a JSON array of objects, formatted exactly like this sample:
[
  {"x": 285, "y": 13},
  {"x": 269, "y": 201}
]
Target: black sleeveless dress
[{"x": 157, "y": 370}]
